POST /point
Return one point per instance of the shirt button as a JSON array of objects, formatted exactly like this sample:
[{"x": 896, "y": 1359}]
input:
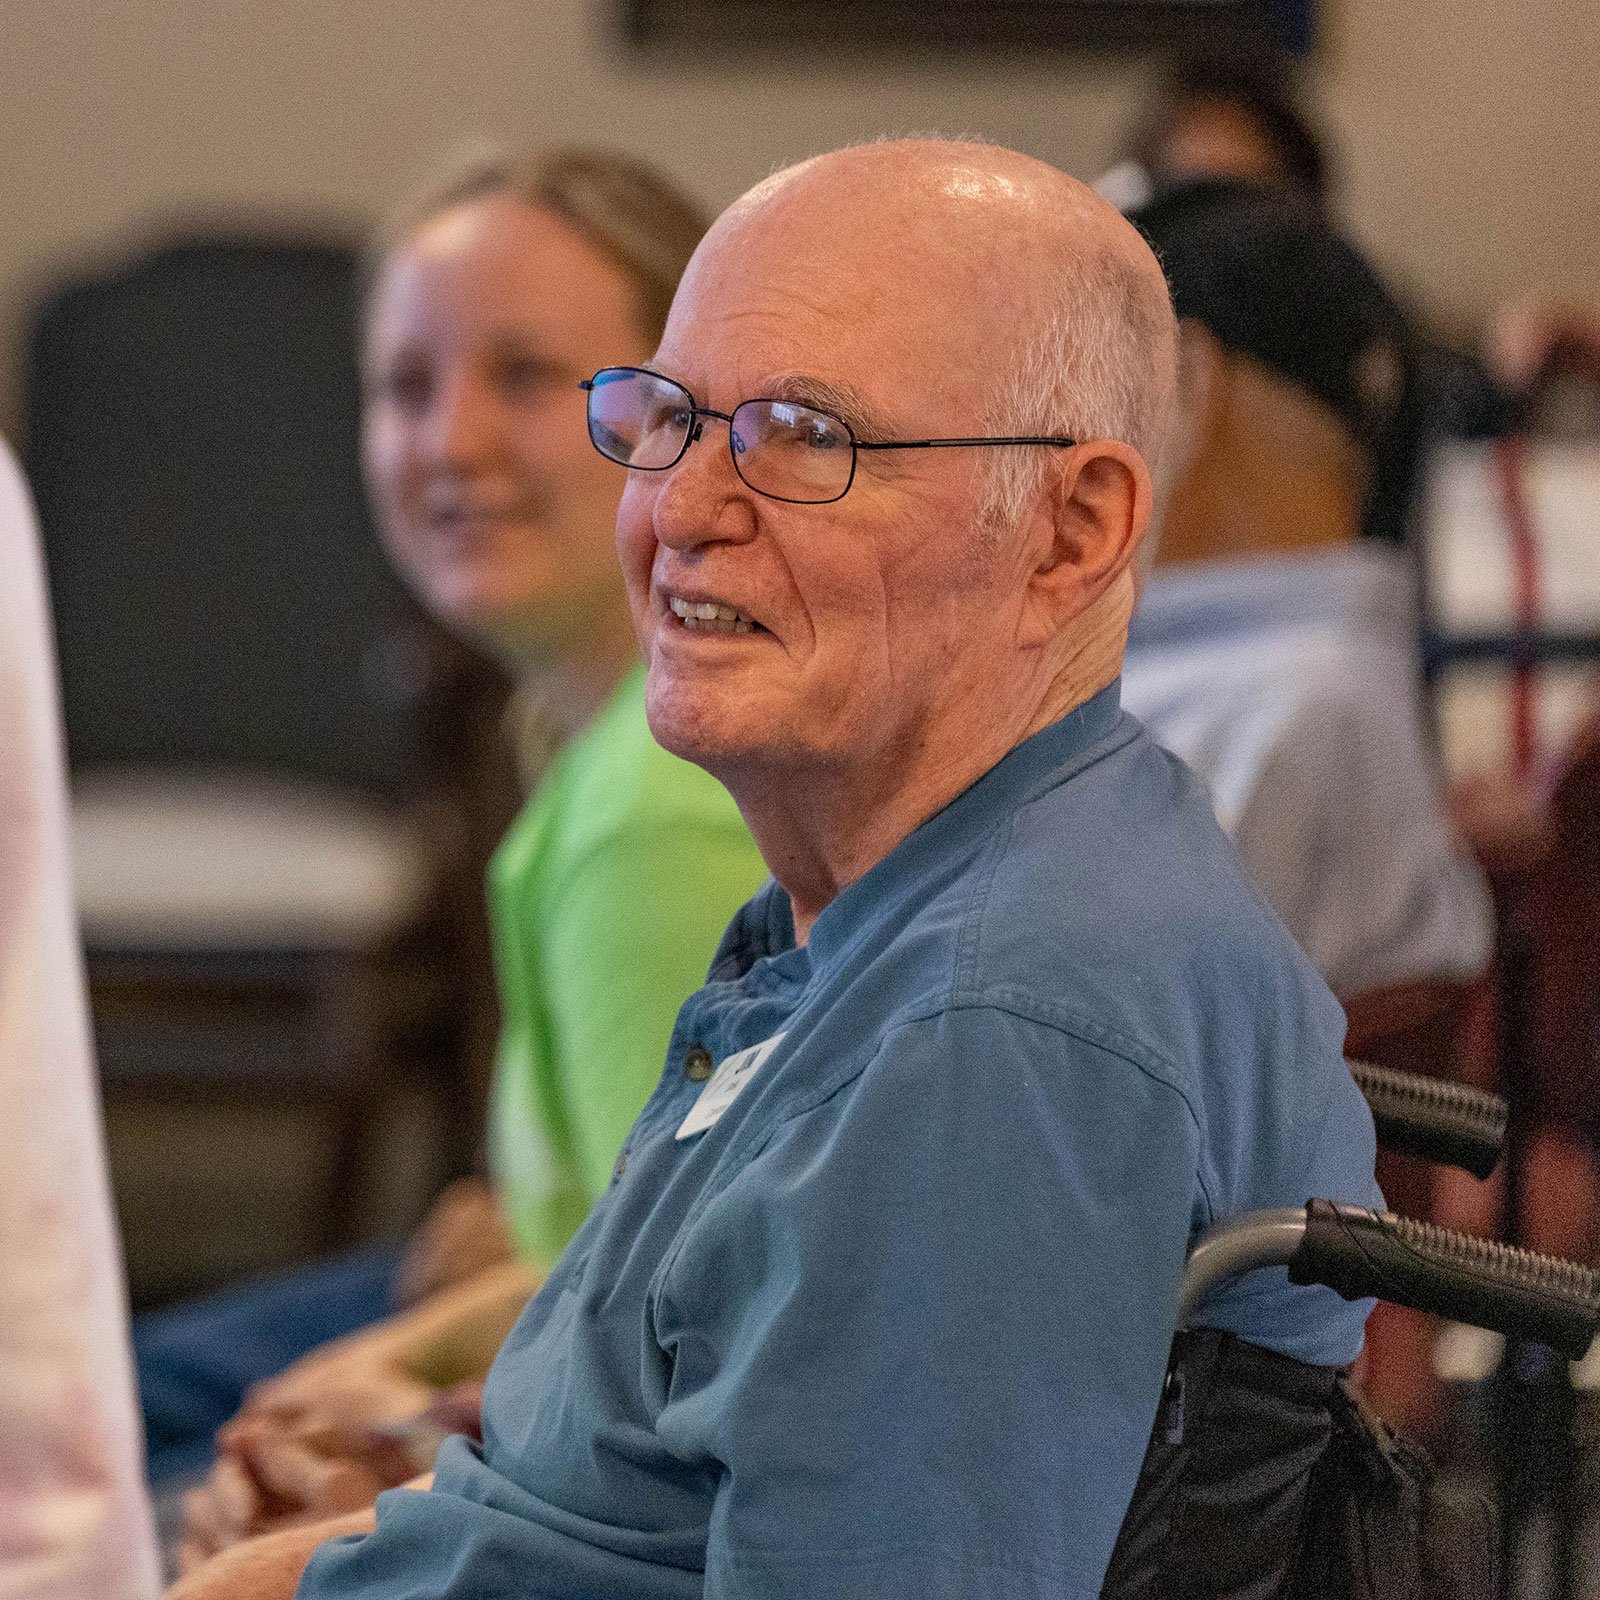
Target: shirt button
[
  {"x": 620, "y": 1167},
  {"x": 697, "y": 1065}
]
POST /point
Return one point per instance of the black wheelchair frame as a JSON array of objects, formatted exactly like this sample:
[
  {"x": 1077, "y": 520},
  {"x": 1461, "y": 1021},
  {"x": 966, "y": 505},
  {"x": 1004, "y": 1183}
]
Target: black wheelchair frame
[{"x": 1253, "y": 1397}]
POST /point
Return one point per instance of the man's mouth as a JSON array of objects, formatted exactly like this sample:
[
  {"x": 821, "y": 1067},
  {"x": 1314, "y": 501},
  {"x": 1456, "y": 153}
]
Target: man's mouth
[{"x": 711, "y": 616}]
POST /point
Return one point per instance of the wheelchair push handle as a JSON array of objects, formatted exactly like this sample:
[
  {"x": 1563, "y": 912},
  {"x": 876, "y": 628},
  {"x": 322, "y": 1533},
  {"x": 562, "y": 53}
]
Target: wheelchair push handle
[
  {"x": 1450, "y": 1123},
  {"x": 1359, "y": 1253},
  {"x": 1516, "y": 1292}
]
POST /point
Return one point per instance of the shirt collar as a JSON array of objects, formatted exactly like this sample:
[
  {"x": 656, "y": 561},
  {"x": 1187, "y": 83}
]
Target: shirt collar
[{"x": 940, "y": 847}]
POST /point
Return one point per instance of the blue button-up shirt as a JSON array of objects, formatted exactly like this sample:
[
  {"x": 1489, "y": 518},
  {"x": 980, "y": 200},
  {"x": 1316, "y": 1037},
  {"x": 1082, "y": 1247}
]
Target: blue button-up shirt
[{"x": 894, "y": 1321}]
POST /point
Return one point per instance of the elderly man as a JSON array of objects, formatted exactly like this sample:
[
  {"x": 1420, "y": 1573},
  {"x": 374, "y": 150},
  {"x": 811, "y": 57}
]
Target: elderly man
[{"x": 880, "y": 1299}]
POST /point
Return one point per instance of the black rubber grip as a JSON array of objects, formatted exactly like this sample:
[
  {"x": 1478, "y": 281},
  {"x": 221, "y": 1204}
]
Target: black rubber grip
[
  {"x": 1445, "y": 1122},
  {"x": 1360, "y": 1253}
]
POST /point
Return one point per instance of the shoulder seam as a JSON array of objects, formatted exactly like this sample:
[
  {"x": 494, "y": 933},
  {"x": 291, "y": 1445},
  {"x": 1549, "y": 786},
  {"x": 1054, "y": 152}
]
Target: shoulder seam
[{"x": 1077, "y": 1025}]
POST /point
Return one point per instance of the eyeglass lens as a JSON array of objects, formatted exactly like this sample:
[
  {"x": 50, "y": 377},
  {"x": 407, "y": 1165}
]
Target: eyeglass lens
[{"x": 779, "y": 447}]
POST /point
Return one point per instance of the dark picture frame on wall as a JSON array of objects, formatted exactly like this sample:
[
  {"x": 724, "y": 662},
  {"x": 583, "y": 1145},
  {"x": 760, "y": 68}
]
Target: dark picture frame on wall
[{"x": 718, "y": 26}]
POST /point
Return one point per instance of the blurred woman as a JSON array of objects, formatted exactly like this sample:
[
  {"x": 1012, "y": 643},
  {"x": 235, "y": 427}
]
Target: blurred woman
[{"x": 487, "y": 304}]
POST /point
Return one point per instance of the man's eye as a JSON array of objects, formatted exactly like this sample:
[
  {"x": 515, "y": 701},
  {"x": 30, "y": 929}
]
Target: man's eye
[
  {"x": 813, "y": 437},
  {"x": 664, "y": 420}
]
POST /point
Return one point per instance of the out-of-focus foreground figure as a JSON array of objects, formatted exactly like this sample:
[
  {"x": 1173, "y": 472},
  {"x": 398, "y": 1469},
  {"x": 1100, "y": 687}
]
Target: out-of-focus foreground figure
[{"x": 74, "y": 1519}]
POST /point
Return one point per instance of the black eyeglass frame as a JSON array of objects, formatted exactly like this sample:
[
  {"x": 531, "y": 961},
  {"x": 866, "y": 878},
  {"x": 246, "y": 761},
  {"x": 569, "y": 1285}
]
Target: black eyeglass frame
[{"x": 696, "y": 428}]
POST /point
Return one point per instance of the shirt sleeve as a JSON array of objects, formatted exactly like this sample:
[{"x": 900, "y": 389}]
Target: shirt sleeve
[
  {"x": 627, "y": 934},
  {"x": 923, "y": 1331}
]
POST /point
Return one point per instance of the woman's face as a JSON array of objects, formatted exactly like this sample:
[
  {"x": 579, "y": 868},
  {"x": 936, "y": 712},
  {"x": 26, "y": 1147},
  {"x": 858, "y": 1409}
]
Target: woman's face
[{"x": 490, "y": 498}]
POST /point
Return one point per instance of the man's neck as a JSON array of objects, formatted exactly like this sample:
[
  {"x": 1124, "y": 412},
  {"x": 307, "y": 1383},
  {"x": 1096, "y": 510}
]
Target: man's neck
[{"x": 821, "y": 827}]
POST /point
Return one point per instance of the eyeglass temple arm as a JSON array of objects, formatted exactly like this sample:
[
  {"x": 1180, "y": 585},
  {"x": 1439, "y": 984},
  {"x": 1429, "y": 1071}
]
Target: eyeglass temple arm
[{"x": 935, "y": 444}]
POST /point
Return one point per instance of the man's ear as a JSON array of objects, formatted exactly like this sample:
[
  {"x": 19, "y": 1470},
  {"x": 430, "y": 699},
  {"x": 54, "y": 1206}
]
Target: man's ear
[{"x": 1100, "y": 503}]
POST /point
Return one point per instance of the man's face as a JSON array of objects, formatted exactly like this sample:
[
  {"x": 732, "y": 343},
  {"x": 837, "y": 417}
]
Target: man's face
[
  {"x": 878, "y": 617},
  {"x": 489, "y": 497}
]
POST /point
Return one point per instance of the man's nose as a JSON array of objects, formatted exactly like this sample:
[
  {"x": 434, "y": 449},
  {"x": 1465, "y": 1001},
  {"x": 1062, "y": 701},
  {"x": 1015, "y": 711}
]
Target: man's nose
[{"x": 703, "y": 500}]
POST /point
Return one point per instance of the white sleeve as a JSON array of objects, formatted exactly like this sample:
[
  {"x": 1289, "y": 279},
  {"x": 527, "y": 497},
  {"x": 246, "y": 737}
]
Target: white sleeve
[
  {"x": 1346, "y": 833},
  {"x": 77, "y": 1518}
]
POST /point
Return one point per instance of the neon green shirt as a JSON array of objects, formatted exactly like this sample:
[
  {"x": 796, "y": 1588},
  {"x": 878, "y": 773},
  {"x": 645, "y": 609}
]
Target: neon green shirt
[{"x": 607, "y": 899}]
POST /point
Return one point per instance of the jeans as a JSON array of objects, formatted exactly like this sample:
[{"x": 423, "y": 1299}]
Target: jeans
[{"x": 196, "y": 1360}]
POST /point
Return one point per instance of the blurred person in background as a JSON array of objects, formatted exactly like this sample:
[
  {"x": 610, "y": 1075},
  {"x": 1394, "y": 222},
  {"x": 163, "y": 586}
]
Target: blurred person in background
[
  {"x": 1240, "y": 115},
  {"x": 488, "y": 302},
  {"x": 1277, "y": 652},
  {"x": 1525, "y": 788},
  {"x": 74, "y": 1516},
  {"x": 1234, "y": 114},
  {"x": 1271, "y": 649}
]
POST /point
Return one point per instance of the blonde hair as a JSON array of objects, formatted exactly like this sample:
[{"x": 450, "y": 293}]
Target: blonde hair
[{"x": 638, "y": 220}]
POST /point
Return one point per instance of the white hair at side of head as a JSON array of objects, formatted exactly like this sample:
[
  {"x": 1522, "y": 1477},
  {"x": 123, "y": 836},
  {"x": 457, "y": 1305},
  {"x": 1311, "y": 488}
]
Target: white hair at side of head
[{"x": 1097, "y": 363}]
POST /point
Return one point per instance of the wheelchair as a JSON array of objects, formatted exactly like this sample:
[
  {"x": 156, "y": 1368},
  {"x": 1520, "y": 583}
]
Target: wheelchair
[{"x": 1269, "y": 1479}]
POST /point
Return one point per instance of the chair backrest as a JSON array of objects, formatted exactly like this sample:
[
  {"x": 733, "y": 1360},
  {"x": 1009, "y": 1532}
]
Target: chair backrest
[
  {"x": 220, "y": 598},
  {"x": 76, "y": 1517},
  {"x": 1558, "y": 911}
]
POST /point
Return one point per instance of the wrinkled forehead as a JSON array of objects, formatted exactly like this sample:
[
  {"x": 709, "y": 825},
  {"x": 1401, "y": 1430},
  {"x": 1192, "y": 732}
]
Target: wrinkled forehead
[{"x": 892, "y": 305}]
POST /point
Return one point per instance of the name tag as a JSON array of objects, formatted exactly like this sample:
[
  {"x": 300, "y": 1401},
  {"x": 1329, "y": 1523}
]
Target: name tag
[{"x": 723, "y": 1086}]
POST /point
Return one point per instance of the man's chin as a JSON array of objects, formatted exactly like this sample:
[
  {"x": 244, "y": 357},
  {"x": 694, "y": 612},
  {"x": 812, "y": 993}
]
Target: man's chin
[
  {"x": 694, "y": 738},
  {"x": 702, "y": 728}
]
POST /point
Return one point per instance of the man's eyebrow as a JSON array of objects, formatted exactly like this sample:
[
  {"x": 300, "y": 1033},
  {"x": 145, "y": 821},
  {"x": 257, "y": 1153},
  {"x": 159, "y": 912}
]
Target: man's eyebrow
[{"x": 822, "y": 394}]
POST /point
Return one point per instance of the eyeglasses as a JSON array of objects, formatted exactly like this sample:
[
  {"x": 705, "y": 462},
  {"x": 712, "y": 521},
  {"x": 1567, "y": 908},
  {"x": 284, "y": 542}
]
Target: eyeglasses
[{"x": 780, "y": 448}]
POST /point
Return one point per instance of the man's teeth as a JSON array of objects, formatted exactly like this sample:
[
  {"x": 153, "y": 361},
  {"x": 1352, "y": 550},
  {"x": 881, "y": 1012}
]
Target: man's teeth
[{"x": 709, "y": 616}]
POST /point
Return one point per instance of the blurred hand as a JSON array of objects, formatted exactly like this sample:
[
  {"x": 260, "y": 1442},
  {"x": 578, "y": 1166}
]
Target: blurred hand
[
  {"x": 269, "y": 1477},
  {"x": 275, "y": 1472},
  {"x": 308, "y": 1443},
  {"x": 1522, "y": 334},
  {"x": 463, "y": 1232},
  {"x": 269, "y": 1568},
  {"x": 353, "y": 1384}
]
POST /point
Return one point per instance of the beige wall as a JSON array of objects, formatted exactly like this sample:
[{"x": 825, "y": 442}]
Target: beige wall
[{"x": 1470, "y": 153}]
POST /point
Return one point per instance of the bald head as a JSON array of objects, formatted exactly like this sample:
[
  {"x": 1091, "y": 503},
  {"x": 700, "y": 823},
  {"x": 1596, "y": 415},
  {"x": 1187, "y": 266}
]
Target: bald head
[{"x": 1003, "y": 272}]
